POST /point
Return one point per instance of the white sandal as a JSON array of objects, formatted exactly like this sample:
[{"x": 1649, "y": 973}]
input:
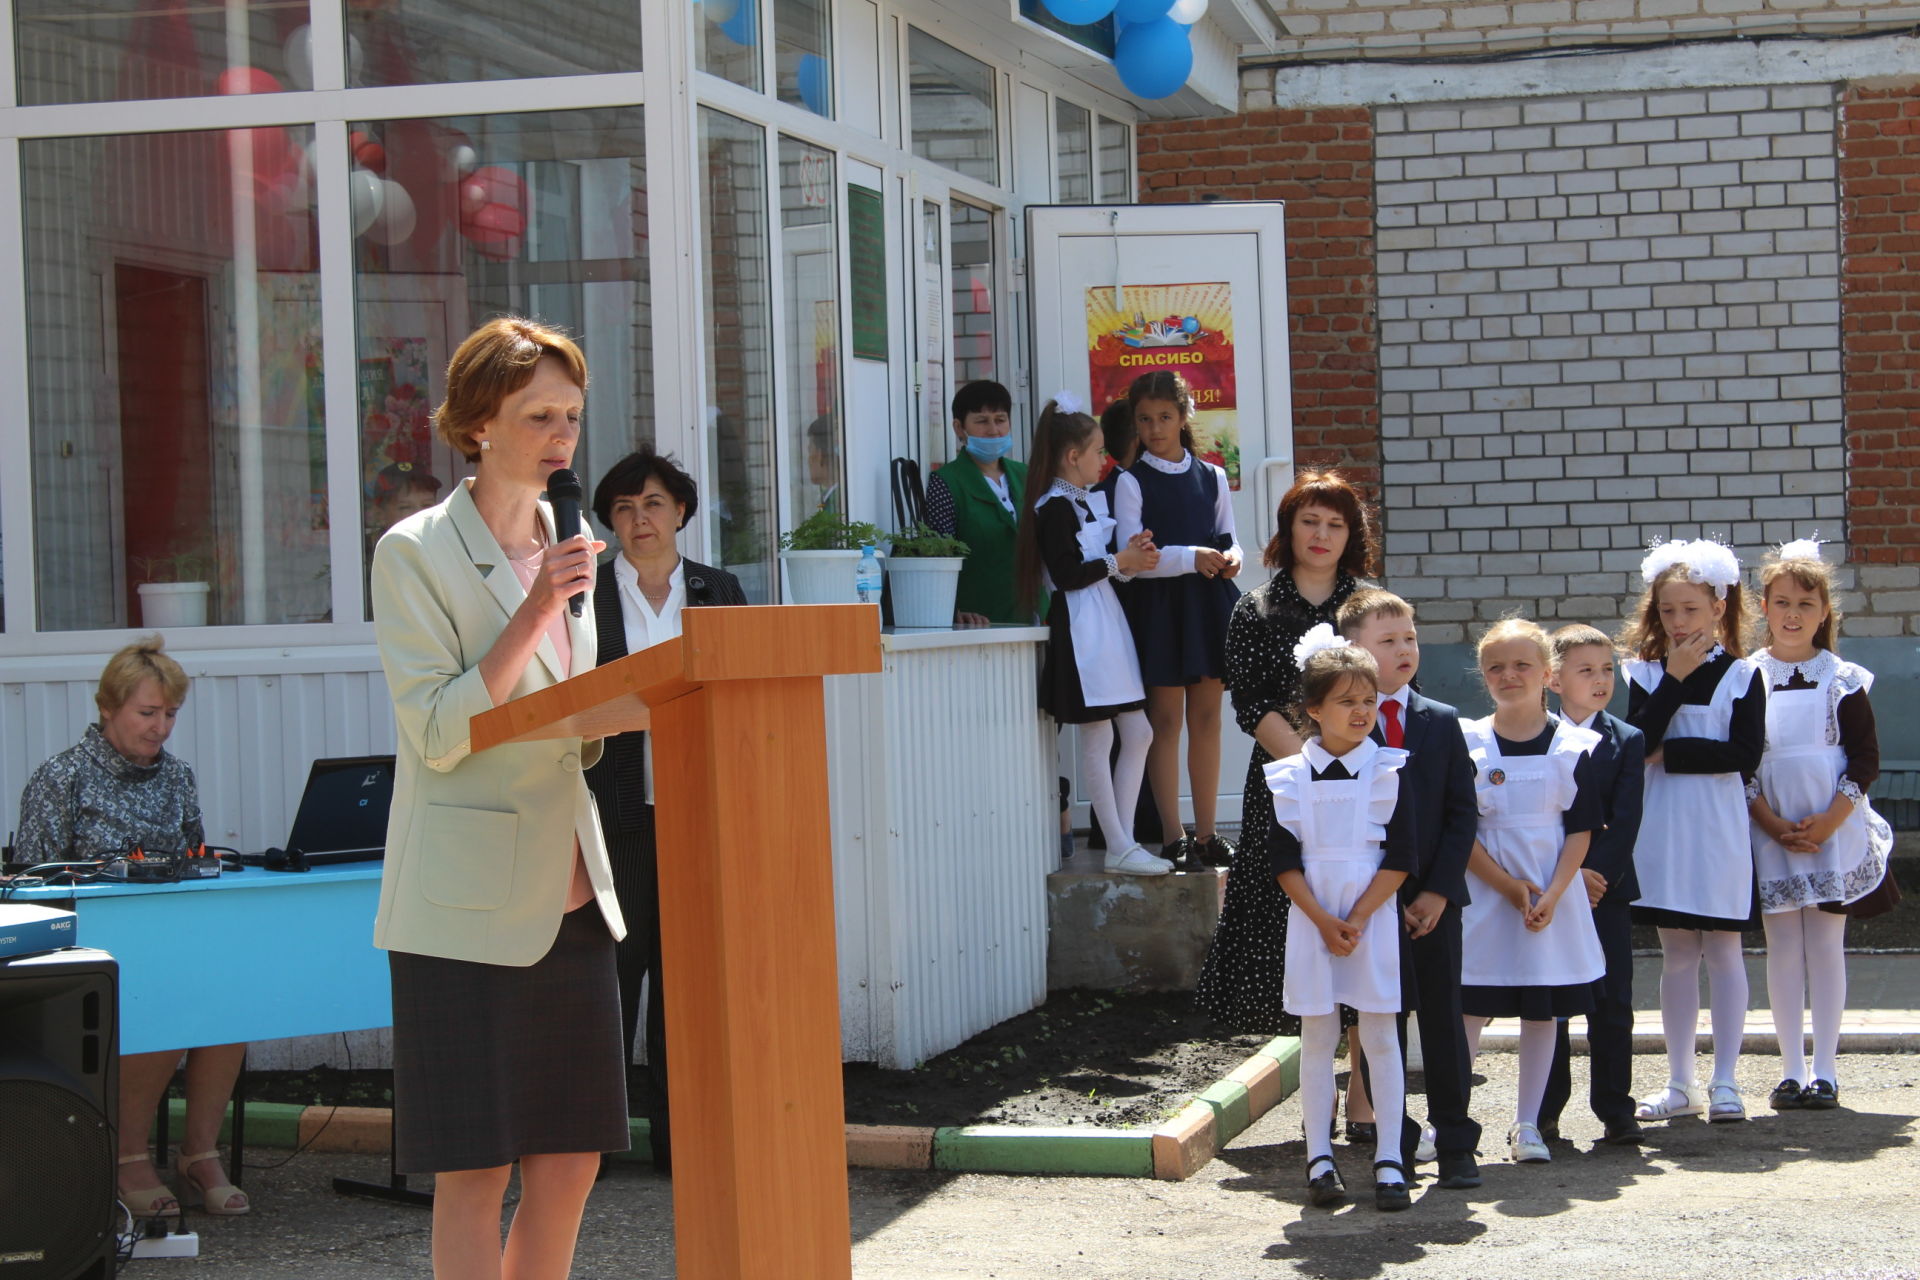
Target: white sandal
[
  {"x": 1136, "y": 861},
  {"x": 1724, "y": 1103},
  {"x": 1670, "y": 1102},
  {"x": 219, "y": 1200},
  {"x": 148, "y": 1202}
]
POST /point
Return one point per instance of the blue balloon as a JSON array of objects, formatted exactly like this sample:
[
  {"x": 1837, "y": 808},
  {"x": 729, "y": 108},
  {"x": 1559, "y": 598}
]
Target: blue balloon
[
  {"x": 816, "y": 85},
  {"x": 744, "y": 26},
  {"x": 1154, "y": 58},
  {"x": 1079, "y": 13},
  {"x": 1130, "y": 11}
]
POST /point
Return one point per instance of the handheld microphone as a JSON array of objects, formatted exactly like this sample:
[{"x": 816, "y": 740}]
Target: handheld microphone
[{"x": 564, "y": 492}]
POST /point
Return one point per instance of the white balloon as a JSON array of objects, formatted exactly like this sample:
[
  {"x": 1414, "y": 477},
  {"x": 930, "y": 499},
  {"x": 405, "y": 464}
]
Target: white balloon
[
  {"x": 297, "y": 55},
  {"x": 369, "y": 197},
  {"x": 461, "y": 161},
  {"x": 1188, "y": 12},
  {"x": 397, "y": 214},
  {"x": 300, "y": 195},
  {"x": 718, "y": 10}
]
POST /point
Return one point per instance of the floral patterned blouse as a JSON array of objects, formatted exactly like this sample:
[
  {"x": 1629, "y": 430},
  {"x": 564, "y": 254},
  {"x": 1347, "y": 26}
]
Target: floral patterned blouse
[{"x": 90, "y": 801}]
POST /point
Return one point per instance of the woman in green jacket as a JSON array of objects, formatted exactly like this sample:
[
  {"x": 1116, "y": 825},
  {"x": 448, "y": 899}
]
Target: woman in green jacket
[{"x": 976, "y": 498}]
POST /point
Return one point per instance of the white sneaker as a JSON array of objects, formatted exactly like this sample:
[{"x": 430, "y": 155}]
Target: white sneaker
[
  {"x": 1724, "y": 1104},
  {"x": 1670, "y": 1102},
  {"x": 1136, "y": 861},
  {"x": 1524, "y": 1141},
  {"x": 1426, "y": 1152}
]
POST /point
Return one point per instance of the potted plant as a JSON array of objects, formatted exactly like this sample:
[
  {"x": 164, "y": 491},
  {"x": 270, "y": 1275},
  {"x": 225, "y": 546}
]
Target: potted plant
[
  {"x": 924, "y": 567},
  {"x": 821, "y": 554},
  {"x": 175, "y": 591}
]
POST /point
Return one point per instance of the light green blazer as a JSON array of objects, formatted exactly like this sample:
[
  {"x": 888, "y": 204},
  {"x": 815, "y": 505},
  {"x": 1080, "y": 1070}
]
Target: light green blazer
[{"x": 479, "y": 847}]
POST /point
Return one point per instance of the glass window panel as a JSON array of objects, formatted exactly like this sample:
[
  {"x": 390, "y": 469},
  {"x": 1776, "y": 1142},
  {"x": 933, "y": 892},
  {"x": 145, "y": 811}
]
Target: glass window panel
[
  {"x": 973, "y": 287},
  {"x": 115, "y": 50},
  {"x": 810, "y": 260},
  {"x": 1073, "y": 150},
  {"x": 174, "y": 378},
  {"x": 736, "y": 293},
  {"x": 1116, "y": 162},
  {"x": 803, "y": 54},
  {"x": 447, "y": 41},
  {"x": 548, "y": 219},
  {"x": 726, "y": 40},
  {"x": 953, "y": 108},
  {"x": 932, "y": 314}
]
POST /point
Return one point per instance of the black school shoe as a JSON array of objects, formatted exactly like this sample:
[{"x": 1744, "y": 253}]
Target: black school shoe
[
  {"x": 1362, "y": 1133},
  {"x": 1392, "y": 1197},
  {"x": 1623, "y": 1133},
  {"x": 1787, "y": 1096},
  {"x": 1327, "y": 1188},
  {"x": 1457, "y": 1170},
  {"x": 1214, "y": 851},
  {"x": 1820, "y": 1095}
]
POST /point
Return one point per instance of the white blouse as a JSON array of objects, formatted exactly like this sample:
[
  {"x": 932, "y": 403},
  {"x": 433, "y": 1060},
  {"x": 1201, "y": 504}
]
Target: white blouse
[{"x": 646, "y": 628}]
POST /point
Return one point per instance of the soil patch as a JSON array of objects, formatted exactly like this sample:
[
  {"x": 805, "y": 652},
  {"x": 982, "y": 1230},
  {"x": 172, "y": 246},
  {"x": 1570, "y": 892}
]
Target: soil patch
[{"x": 1107, "y": 1058}]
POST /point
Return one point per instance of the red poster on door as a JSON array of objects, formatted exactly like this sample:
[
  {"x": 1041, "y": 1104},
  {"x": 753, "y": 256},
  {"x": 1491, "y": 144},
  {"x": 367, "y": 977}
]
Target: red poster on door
[{"x": 1184, "y": 327}]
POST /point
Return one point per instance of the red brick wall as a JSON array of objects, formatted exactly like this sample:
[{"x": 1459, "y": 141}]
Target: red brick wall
[
  {"x": 1880, "y": 317},
  {"x": 1320, "y": 161}
]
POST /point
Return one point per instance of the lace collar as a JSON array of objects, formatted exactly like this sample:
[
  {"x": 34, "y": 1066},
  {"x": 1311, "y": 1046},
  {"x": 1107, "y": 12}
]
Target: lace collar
[
  {"x": 1814, "y": 670},
  {"x": 1168, "y": 468},
  {"x": 1062, "y": 489}
]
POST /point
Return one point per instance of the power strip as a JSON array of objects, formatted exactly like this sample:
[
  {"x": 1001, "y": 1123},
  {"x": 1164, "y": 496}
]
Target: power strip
[{"x": 181, "y": 1244}]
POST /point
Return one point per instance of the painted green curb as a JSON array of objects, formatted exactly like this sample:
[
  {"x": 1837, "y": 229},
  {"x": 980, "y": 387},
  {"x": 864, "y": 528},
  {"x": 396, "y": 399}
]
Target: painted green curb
[
  {"x": 269, "y": 1124},
  {"x": 1285, "y": 1050},
  {"x": 639, "y": 1138},
  {"x": 1232, "y": 1111},
  {"x": 1088, "y": 1151}
]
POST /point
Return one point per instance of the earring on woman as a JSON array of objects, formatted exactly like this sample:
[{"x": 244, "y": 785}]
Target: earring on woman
[{"x": 485, "y": 445}]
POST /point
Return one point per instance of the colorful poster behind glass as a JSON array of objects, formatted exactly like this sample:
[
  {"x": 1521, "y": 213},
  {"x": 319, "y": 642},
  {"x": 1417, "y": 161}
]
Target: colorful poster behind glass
[{"x": 1184, "y": 327}]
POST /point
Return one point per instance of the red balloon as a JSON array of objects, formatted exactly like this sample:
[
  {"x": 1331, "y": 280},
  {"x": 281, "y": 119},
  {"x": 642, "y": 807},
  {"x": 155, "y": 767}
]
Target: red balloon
[
  {"x": 493, "y": 218},
  {"x": 246, "y": 80},
  {"x": 371, "y": 156}
]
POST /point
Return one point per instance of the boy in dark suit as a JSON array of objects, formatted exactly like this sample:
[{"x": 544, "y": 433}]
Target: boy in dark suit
[
  {"x": 1583, "y": 670},
  {"x": 1439, "y": 781}
]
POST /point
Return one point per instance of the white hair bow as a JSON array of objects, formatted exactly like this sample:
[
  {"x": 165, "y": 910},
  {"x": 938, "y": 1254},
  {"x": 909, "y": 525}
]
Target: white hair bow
[
  {"x": 1800, "y": 549},
  {"x": 1708, "y": 563},
  {"x": 1321, "y": 637},
  {"x": 1067, "y": 402}
]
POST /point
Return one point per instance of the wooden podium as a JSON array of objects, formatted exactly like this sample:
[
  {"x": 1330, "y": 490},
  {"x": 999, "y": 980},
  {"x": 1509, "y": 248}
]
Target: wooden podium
[{"x": 746, "y": 912}]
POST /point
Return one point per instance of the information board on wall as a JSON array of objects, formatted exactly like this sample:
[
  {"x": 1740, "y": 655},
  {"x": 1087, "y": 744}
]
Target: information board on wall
[{"x": 867, "y": 265}]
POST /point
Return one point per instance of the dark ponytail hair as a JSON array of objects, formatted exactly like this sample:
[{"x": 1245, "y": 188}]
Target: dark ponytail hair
[
  {"x": 1169, "y": 385},
  {"x": 1057, "y": 433}
]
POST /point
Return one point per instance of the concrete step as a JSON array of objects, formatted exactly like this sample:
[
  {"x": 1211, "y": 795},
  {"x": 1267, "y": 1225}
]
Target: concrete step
[{"x": 1128, "y": 933}]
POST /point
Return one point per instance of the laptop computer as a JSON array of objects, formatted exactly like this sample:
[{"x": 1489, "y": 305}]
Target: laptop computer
[{"x": 343, "y": 811}]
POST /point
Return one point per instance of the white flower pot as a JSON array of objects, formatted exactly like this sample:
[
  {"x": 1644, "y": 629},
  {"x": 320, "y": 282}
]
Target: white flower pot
[
  {"x": 924, "y": 588},
  {"x": 822, "y": 577},
  {"x": 174, "y": 604}
]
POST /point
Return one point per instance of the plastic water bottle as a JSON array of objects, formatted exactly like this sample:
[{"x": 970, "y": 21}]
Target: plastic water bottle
[{"x": 866, "y": 578}]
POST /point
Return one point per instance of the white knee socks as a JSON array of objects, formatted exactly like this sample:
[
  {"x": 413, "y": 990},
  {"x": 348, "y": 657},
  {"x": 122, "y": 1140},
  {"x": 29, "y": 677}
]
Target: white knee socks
[
  {"x": 1114, "y": 790},
  {"x": 1389, "y": 1081},
  {"x": 1806, "y": 957},
  {"x": 1319, "y": 1034}
]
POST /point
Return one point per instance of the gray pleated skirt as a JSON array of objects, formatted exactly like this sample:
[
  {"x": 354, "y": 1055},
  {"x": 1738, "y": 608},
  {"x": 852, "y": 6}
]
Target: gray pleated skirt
[{"x": 494, "y": 1062}]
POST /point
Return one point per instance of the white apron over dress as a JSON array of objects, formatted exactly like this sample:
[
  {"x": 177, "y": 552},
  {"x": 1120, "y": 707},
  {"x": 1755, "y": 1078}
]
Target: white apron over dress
[
  {"x": 1340, "y": 826},
  {"x": 1103, "y": 652},
  {"x": 1523, "y": 803},
  {"x": 1799, "y": 775},
  {"x": 1694, "y": 854}
]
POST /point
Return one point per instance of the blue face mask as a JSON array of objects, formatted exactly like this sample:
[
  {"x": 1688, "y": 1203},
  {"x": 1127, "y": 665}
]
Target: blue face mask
[{"x": 989, "y": 448}]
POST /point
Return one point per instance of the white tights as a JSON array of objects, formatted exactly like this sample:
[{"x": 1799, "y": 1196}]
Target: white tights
[
  {"x": 1806, "y": 957},
  {"x": 1115, "y": 791},
  {"x": 1681, "y": 951},
  {"x": 1319, "y": 1034},
  {"x": 1536, "y": 1062}
]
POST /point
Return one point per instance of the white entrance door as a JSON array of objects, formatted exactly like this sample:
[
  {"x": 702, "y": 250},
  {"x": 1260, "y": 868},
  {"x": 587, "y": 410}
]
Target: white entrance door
[{"x": 1119, "y": 290}]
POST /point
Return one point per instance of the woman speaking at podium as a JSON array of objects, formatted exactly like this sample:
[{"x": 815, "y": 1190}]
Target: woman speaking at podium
[{"x": 497, "y": 906}]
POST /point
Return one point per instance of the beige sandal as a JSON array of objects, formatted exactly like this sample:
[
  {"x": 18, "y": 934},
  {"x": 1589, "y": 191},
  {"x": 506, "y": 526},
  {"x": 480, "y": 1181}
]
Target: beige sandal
[
  {"x": 148, "y": 1202},
  {"x": 214, "y": 1200}
]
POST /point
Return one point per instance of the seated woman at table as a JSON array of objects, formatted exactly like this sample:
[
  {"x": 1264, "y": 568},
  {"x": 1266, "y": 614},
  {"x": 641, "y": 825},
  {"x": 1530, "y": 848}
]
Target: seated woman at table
[{"x": 118, "y": 789}]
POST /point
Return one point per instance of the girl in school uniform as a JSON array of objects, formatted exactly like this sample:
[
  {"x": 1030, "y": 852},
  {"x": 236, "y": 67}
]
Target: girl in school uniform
[
  {"x": 1703, "y": 708},
  {"x": 1091, "y": 676},
  {"x": 1529, "y": 947},
  {"x": 1340, "y": 849},
  {"x": 1817, "y": 844},
  {"x": 1178, "y": 610}
]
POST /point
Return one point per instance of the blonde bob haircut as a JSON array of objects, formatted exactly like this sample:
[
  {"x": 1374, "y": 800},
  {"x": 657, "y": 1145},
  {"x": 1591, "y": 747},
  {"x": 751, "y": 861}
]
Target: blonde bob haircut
[
  {"x": 496, "y": 360},
  {"x": 139, "y": 661}
]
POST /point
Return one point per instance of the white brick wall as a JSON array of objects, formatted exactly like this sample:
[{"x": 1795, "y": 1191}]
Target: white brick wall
[
  {"x": 1385, "y": 28},
  {"x": 1603, "y": 320}
]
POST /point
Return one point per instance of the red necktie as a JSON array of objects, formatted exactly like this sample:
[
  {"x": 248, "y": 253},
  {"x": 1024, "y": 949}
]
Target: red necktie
[{"x": 1391, "y": 710}]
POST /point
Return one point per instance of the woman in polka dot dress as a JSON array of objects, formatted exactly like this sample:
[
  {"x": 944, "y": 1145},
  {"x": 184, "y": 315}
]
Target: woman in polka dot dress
[{"x": 1325, "y": 542}]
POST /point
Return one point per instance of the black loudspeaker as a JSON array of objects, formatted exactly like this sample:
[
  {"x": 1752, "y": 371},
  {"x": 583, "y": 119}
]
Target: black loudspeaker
[{"x": 59, "y": 1085}]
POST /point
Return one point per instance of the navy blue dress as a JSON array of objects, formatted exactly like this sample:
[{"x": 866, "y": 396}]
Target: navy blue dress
[{"x": 1180, "y": 623}]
